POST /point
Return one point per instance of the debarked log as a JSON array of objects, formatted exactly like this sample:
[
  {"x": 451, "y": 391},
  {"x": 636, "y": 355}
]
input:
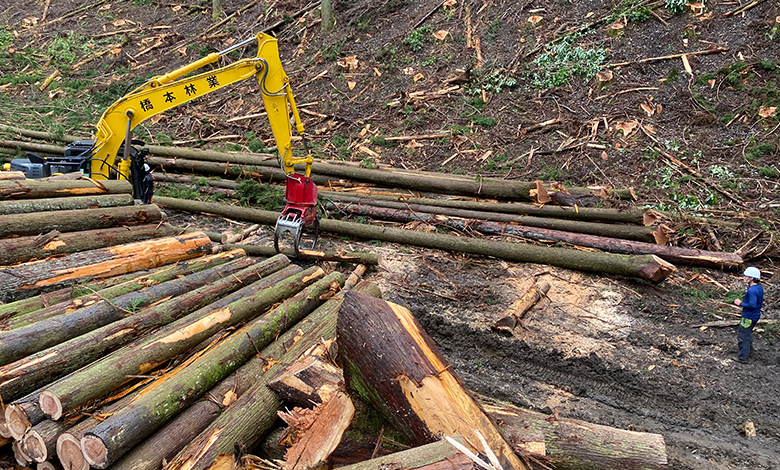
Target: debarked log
[
  {"x": 92, "y": 292},
  {"x": 53, "y": 363},
  {"x": 37, "y": 336},
  {"x": 254, "y": 413},
  {"x": 32, "y": 278},
  {"x": 24, "y": 206},
  {"x": 141, "y": 356},
  {"x": 21, "y": 250},
  {"x": 648, "y": 267},
  {"x": 112, "y": 438},
  {"x": 41, "y": 189},
  {"x": 386, "y": 354},
  {"x": 35, "y": 223}
]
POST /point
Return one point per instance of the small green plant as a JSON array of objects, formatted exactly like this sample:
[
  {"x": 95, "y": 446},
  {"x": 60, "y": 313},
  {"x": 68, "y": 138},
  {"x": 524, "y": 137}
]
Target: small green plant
[
  {"x": 634, "y": 11},
  {"x": 492, "y": 33},
  {"x": 135, "y": 305},
  {"x": 178, "y": 192},
  {"x": 562, "y": 61},
  {"x": 64, "y": 50},
  {"x": 333, "y": 52},
  {"x": 676, "y": 6},
  {"x": 551, "y": 173},
  {"x": 381, "y": 141},
  {"x": 759, "y": 150},
  {"x": 418, "y": 38},
  {"x": 6, "y": 39},
  {"x": 768, "y": 172},
  {"x": 721, "y": 172},
  {"x": 264, "y": 196},
  {"x": 483, "y": 121},
  {"x": 369, "y": 163}
]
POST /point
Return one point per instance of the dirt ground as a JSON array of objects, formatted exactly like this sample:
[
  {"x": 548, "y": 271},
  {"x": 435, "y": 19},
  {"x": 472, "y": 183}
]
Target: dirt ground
[{"x": 605, "y": 349}]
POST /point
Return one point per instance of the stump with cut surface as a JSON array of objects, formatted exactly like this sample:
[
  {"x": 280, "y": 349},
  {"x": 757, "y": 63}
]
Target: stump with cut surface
[{"x": 392, "y": 363}]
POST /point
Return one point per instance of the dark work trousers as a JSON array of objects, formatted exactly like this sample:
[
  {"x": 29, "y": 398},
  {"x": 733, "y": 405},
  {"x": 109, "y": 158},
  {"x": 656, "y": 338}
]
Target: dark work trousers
[{"x": 745, "y": 337}]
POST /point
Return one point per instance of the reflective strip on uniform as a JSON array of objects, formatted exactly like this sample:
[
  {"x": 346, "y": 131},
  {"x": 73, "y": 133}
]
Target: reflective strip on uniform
[{"x": 746, "y": 322}]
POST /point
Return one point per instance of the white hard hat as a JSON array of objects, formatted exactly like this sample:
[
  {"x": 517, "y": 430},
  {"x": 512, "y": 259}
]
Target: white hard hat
[
  {"x": 146, "y": 167},
  {"x": 753, "y": 272}
]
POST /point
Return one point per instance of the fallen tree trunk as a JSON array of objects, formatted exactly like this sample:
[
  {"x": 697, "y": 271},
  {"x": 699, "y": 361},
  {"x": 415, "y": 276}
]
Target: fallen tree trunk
[
  {"x": 227, "y": 170},
  {"x": 254, "y": 413},
  {"x": 139, "y": 357},
  {"x": 112, "y": 438},
  {"x": 508, "y": 322},
  {"x": 440, "y": 455},
  {"x": 90, "y": 293},
  {"x": 53, "y": 363},
  {"x": 570, "y": 444},
  {"x": 386, "y": 354},
  {"x": 78, "y": 220},
  {"x": 34, "y": 277},
  {"x": 647, "y": 267},
  {"x": 40, "y": 335},
  {"x": 24, "y": 206},
  {"x": 21, "y": 250},
  {"x": 42, "y": 188},
  {"x": 184, "y": 179},
  {"x": 401, "y": 212}
]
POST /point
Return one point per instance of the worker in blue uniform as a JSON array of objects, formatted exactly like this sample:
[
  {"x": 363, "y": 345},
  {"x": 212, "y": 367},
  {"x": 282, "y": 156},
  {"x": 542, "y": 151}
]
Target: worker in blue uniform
[{"x": 751, "y": 312}]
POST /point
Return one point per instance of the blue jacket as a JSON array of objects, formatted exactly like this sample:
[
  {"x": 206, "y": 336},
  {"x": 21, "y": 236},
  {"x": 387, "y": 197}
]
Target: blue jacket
[{"x": 751, "y": 305}]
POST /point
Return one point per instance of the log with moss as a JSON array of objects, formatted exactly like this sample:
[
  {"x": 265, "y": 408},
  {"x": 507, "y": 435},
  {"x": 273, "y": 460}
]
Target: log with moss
[
  {"x": 440, "y": 455},
  {"x": 24, "y": 206},
  {"x": 250, "y": 418},
  {"x": 34, "y": 223},
  {"x": 391, "y": 362},
  {"x": 140, "y": 356},
  {"x": 89, "y": 293},
  {"x": 32, "y": 278},
  {"x": 21, "y": 250},
  {"x": 42, "y": 188},
  {"x": 112, "y": 438},
  {"x": 26, "y": 340},
  {"x": 648, "y": 267},
  {"x": 53, "y": 363}
]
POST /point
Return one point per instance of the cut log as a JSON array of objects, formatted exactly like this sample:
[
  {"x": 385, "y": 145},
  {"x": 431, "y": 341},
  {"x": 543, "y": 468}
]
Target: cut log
[
  {"x": 12, "y": 175},
  {"x": 400, "y": 212},
  {"x": 141, "y": 356},
  {"x": 440, "y": 455},
  {"x": 21, "y": 250},
  {"x": 34, "y": 277},
  {"x": 16, "y": 225},
  {"x": 570, "y": 444},
  {"x": 307, "y": 382},
  {"x": 90, "y": 293},
  {"x": 648, "y": 267},
  {"x": 53, "y": 363},
  {"x": 389, "y": 358},
  {"x": 508, "y": 322},
  {"x": 332, "y": 419},
  {"x": 112, "y": 438},
  {"x": 21, "y": 458},
  {"x": 42, "y": 189},
  {"x": 23, "y": 414},
  {"x": 40, "y": 442},
  {"x": 64, "y": 203},
  {"x": 228, "y": 170},
  {"x": 254, "y": 414},
  {"x": 40, "y": 335},
  {"x": 232, "y": 238}
]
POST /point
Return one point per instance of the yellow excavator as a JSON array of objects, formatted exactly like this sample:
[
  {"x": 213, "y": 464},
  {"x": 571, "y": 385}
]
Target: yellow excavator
[{"x": 111, "y": 154}]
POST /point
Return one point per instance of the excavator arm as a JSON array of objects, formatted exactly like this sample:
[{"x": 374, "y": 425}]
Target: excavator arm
[{"x": 173, "y": 89}]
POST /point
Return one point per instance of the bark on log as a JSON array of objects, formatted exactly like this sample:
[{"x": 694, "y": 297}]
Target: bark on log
[
  {"x": 508, "y": 322},
  {"x": 53, "y": 363},
  {"x": 139, "y": 357},
  {"x": 184, "y": 179},
  {"x": 112, "y": 438},
  {"x": 396, "y": 367},
  {"x": 64, "y": 203},
  {"x": 21, "y": 458},
  {"x": 34, "y": 277},
  {"x": 90, "y": 293},
  {"x": 37, "y": 336},
  {"x": 574, "y": 445},
  {"x": 23, "y": 414},
  {"x": 440, "y": 455},
  {"x": 40, "y": 442},
  {"x": 18, "y": 225},
  {"x": 254, "y": 414},
  {"x": 227, "y": 170},
  {"x": 12, "y": 175},
  {"x": 647, "y": 267},
  {"x": 42, "y": 189},
  {"x": 21, "y": 250},
  {"x": 307, "y": 382},
  {"x": 401, "y": 212}
]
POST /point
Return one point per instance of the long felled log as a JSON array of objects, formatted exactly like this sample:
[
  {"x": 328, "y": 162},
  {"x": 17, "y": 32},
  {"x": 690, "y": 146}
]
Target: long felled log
[
  {"x": 73, "y": 221},
  {"x": 440, "y": 455},
  {"x": 570, "y": 444},
  {"x": 50, "y": 364},
  {"x": 228, "y": 170},
  {"x": 92, "y": 292},
  {"x": 254, "y": 413},
  {"x": 112, "y": 438},
  {"x": 24, "y": 206},
  {"x": 648, "y": 267},
  {"x": 140, "y": 356},
  {"x": 388, "y": 356},
  {"x": 40, "y": 335},
  {"x": 21, "y": 250},
  {"x": 403, "y": 212},
  {"x": 629, "y": 245},
  {"x": 41, "y": 189},
  {"x": 34, "y": 277}
]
